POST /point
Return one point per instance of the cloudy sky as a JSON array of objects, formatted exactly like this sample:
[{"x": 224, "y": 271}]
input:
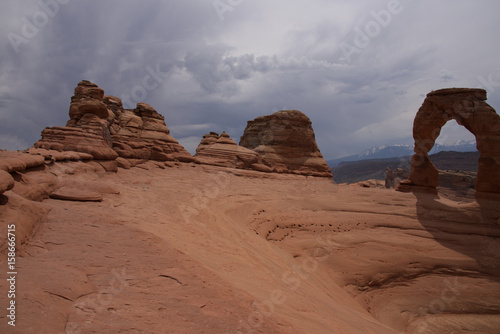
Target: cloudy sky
[{"x": 359, "y": 69}]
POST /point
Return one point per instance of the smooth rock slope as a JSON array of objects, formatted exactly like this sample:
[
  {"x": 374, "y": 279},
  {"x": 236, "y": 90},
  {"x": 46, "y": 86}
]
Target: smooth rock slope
[{"x": 209, "y": 249}]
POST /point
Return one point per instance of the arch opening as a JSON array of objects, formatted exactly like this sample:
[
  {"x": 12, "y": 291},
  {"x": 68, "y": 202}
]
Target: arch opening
[
  {"x": 469, "y": 109},
  {"x": 456, "y": 157}
]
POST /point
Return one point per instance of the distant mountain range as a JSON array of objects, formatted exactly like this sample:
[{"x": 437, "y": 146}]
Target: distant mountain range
[
  {"x": 400, "y": 150},
  {"x": 355, "y": 171}
]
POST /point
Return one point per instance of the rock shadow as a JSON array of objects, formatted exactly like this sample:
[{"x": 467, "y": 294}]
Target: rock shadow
[{"x": 471, "y": 229}]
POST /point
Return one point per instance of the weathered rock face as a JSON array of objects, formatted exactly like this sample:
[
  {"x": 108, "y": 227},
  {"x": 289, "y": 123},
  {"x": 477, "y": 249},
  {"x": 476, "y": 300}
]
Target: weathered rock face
[
  {"x": 468, "y": 108},
  {"x": 285, "y": 140},
  {"x": 87, "y": 130},
  {"x": 78, "y": 140},
  {"x": 223, "y": 151},
  {"x": 100, "y": 126},
  {"x": 87, "y": 109},
  {"x": 18, "y": 161},
  {"x": 6, "y": 181},
  {"x": 142, "y": 134}
]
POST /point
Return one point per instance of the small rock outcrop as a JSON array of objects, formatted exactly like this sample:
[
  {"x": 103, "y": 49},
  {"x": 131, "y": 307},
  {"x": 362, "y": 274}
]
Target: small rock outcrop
[
  {"x": 394, "y": 177},
  {"x": 223, "y": 151},
  {"x": 286, "y": 143},
  {"x": 100, "y": 126},
  {"x": 468, "y": 108}
]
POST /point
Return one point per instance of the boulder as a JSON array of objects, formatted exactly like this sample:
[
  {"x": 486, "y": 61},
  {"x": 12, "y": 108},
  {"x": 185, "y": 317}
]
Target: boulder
[{"x": 286, "y": 143}]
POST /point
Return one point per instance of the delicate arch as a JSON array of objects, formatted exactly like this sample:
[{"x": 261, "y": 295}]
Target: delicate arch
[{"x": 468, "y": 108}]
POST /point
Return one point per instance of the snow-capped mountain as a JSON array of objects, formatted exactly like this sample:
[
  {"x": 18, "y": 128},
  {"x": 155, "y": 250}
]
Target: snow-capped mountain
[
  {"x": 380, "y": 152},
  {"x": 401, "y": 150}
]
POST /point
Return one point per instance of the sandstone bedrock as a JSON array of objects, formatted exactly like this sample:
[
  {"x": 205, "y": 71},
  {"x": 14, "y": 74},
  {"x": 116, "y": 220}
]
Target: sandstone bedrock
[
  {"x": 469, "y": 109},
  {"x": 100, "y": 126}
]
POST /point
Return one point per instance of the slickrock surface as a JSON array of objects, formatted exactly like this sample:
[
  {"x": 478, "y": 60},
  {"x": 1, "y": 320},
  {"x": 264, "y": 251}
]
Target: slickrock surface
[
  {"x": 223, "y": 151},
  {"x": 285, "y": 140},
  {"x": 207, "y": 249},
  {"x": 6, "y": 181},
  {"x": 468, "y": 108}
]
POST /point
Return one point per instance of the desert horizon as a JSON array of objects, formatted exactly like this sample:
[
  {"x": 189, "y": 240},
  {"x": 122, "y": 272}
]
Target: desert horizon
[{"x": 111, "y": 226}]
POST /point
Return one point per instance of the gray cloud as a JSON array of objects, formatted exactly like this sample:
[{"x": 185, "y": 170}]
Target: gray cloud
[{"x": 260, "y": 58}]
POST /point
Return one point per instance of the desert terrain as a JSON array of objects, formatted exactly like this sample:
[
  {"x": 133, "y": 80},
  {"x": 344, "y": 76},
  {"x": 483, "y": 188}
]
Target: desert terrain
[
  {"x": 204, "y": 249},
  {"x": 109, "y": 225}
]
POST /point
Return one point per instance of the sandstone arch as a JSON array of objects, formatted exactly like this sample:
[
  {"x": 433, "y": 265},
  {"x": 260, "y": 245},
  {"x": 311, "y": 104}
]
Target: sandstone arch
[{"x": 469, "y": 109}]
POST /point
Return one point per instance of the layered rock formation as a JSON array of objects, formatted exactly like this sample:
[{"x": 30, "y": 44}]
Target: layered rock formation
[
  {"x": 6, "y": 181},
  {"x": 280, "y": 143},
  {"x": 223, "y": 151},
  {"x": 116, "y": 137},
  {"x": 100, "y": 126},
  {"x": 286, "y": 142},
  {"x": 142, "y": 134},
  {"x": 88, "y": 128},
  {"x": 468, "y": 108}
]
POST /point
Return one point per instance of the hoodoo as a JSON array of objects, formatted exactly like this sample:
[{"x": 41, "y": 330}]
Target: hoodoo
[
  {"x": 87, "y": 130},
  {"x": 100, "y": 126}
]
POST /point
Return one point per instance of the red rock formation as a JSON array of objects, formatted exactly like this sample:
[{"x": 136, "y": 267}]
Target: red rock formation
[
  {"x": 100, "y": 126},
  {"x": 76, "y": 139},
  {"x": 142, "y": 134},
  {"x": 6, "y": 181},
  {"x": 223, "y": 151},
  {"x": 286, "y": 142},
  {"x": 468, "y": 108},
  {"x": 87, "y": 130}
]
